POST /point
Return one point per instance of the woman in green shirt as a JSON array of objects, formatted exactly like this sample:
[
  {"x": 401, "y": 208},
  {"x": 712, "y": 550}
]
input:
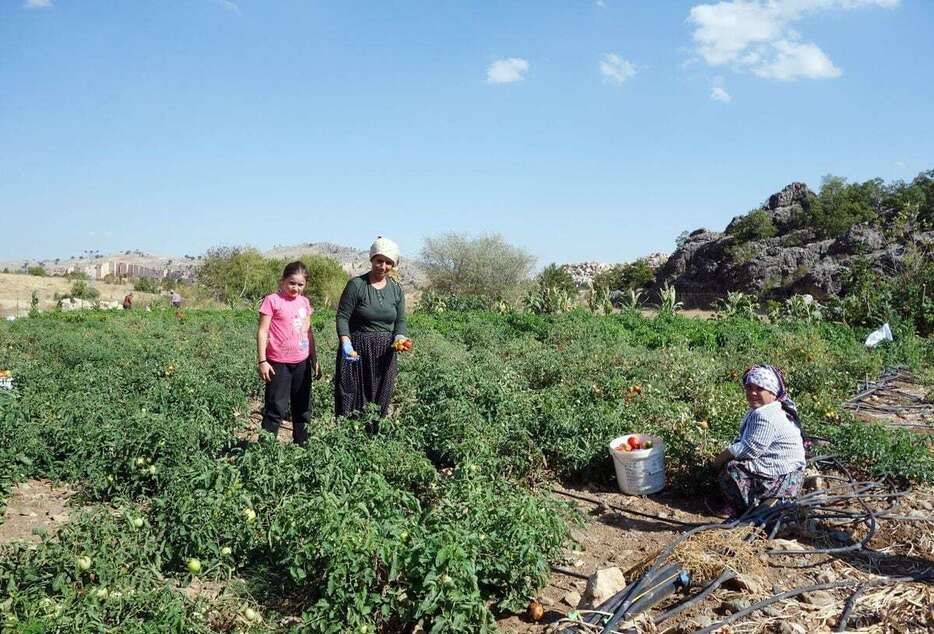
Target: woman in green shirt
[{"x": 371, "y": 328}]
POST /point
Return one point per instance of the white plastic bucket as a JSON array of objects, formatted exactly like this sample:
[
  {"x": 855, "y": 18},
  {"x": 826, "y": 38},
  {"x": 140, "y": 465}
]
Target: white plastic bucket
[{"x": 640, "y": 471}]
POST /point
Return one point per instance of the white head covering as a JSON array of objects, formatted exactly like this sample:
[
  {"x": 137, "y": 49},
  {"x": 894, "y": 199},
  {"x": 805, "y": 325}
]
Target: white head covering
[
  {"x": 386, "y": 248},
  {"x": 765, "y": 378}
]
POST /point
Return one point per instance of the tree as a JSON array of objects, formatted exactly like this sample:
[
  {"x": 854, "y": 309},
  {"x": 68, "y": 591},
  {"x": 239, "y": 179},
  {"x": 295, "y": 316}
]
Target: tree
[
  {"x": 556, "y": 277},
  {"x": 238, "y": 275},
  {"x": 840, "y": 205},
  {"x": 326, "y": 279},
  {"x": 623, "y": 277},
  {"x": 242, "y": 276},
  {"x": 486, "y": 266},
  {"x": 923, "y": 185}
]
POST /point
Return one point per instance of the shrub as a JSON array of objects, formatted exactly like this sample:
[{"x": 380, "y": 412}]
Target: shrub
[
  {"x": 736, "y": 304},
  {"x": 38, "y": 271},
  {"x": 840, "y": 205},
  {"x": 624, "y": 277},
  {"x": 557, "y": 277},
  {"x": 326, "y": 279},
  {"x": 82, "y": 290},
  {"x": 740, "y": 252},
  {"x": 146, "y": 285},
  {"x": 237, "y": 275},
  {"x": 548, "y": 300},
  {"x": 756, "y": 225},
  {"x": 240, "y": 276},
  {"x": 487, "y": 266}
]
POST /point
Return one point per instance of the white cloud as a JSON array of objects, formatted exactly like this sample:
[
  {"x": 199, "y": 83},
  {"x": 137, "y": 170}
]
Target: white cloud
[
  {"x": 601, "y": 4},
  {"x": 757, "y": 35},
  {"x": 900, "y": 165},
  {"x": 718, "y": 93},
  {"x": 229, "y": 5},
  {"x": 616, "y": 69},
  {"x": 507, "y": 71},
  {"x": 38, "y": 4},
  {"x": 793, "y": 60}
]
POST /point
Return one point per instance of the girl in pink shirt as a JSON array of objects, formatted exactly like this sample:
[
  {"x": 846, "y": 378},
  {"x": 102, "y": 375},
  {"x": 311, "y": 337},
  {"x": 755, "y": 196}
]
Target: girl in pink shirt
[{"x": 285, "y": 348}]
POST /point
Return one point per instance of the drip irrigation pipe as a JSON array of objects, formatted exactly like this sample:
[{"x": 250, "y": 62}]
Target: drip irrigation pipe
[
  {"x": 664, "y": 584},
  {"x": 725, "y": 576},
  {"x": 848, "y": 608},
  {"x": 570, "y": 573}
]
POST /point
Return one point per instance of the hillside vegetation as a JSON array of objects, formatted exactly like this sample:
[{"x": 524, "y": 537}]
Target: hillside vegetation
[{"x": 865, "y": 250}]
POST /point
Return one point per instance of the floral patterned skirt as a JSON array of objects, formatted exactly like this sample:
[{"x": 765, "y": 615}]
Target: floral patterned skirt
[{"x": 746, "y": 489}]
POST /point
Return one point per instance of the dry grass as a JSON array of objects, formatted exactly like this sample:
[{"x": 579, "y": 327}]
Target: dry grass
[
  {"x": 708, "y": 553},
  {"x": 16, "y": 292}
]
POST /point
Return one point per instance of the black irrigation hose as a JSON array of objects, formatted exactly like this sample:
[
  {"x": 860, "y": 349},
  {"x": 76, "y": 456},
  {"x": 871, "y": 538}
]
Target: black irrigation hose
[
  {"x": 793, "y": 593},
  {"x": 645, "y": 594},
  {"x": 848, "y": 607},
  {"x": 758, "y": 515},
  {"x": 725, "y": 576}
]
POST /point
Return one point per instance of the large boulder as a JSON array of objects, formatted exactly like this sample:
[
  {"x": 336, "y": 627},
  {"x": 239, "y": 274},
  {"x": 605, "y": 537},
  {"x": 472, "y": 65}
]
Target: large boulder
[{"x": 707, "y": 265}]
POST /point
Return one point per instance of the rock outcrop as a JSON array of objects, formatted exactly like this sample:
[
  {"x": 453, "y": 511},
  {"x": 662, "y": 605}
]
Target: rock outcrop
[{"x": 708, "y": 264}]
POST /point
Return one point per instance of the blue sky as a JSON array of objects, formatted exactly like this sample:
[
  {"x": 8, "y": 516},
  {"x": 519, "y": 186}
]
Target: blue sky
[{"x": 578, "y": 129}]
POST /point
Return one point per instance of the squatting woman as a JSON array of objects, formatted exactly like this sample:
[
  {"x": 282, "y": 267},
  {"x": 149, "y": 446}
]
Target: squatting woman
[{"x": 767, "y": 458}]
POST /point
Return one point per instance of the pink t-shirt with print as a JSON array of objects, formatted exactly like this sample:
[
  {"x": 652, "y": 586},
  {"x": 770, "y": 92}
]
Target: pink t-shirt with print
[{"x": 288, "y": 328}]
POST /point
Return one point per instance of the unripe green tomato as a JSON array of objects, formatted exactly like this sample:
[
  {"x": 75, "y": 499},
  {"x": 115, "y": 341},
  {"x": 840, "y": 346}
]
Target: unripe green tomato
[
  {"x": 226, "y": 551},
  {"x": 84, "y": 563},
  {"x": 137, "y": 522},
  {"x": 194, "y": 566},
  {"x": 252, "y": 615},
  {"x": 249, "y": 515}
]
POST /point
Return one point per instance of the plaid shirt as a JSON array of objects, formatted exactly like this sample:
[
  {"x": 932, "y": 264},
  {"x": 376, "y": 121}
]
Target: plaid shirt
[{"x": 769, "y": 443}]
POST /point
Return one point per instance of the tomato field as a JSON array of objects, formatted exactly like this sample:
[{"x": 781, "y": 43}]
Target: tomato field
[{"x": 441, "y": 518}]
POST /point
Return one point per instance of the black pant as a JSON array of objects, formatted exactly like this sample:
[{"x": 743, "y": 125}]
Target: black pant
[{"x": 291, "y": 384}]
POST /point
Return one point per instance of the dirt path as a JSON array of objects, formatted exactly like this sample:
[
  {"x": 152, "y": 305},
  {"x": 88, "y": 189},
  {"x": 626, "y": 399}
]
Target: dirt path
[{"x": 32, "y": 505}]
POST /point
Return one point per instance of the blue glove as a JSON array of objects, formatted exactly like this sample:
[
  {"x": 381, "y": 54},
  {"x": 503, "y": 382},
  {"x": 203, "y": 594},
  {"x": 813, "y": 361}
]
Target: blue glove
[{"x": 348, "y": 352}]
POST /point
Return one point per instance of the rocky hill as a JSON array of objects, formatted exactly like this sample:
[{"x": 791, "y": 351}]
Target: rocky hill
[{"x": 709, "y": 264}]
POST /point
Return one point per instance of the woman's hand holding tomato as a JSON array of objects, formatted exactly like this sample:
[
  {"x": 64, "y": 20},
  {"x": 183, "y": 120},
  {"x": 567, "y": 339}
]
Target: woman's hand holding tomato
[{"x": 402, "y": 345}]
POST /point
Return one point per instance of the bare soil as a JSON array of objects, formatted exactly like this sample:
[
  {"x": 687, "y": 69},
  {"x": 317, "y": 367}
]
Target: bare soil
[
  {"x": 34, "y": 504},
  {"x": 252, "y": 424},
  {"x": 615, "y": 534}
]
